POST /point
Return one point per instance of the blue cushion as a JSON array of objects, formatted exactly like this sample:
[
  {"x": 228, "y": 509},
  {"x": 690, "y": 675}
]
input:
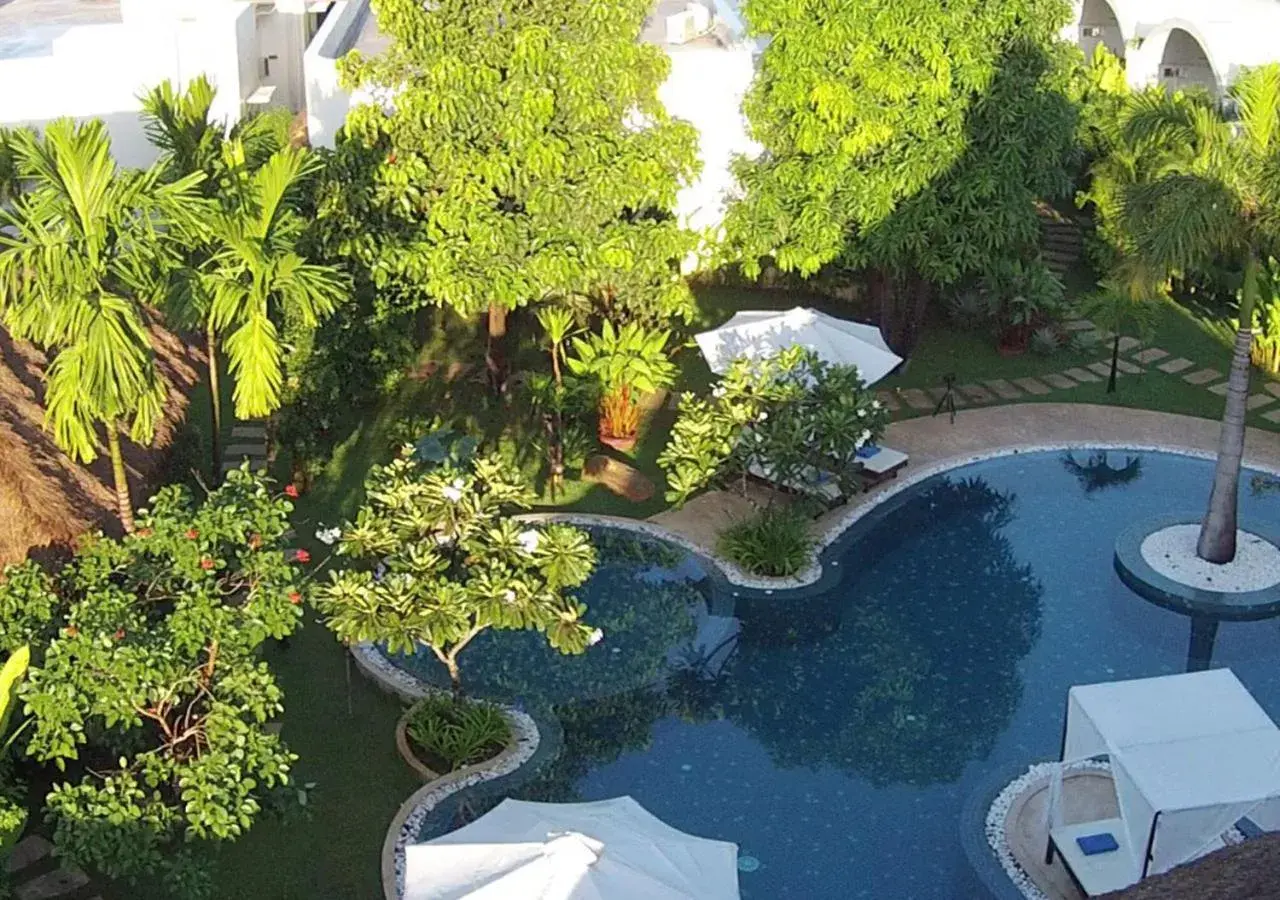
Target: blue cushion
[
  {"x": 1091, "y": 844},
  {"x": 867, "y": 451}
]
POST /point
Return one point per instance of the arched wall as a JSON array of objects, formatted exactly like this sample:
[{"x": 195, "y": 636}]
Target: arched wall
[{"x": 1176, "y": 54}]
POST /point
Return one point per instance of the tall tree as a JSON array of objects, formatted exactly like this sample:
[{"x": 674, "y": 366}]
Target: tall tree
[
  {"x": 83, "y": 252},
  {"x": 179, "y": 124},
  {"x": 1213, "y": 193},
  {"x": 911, "y": 138},
  {"x": 525, "y": 155}
]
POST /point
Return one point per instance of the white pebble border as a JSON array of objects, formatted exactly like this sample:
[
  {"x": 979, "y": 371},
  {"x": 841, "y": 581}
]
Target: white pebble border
[
  {"x": 999, "y": 812},
  {"x": 404, "y": 828},
  {"x": 813, "y": 572},
  {"x": 1172, "y": 553}
]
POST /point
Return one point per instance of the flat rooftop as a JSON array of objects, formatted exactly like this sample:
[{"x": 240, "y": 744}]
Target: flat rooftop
[{"x": 28, "y": 27}]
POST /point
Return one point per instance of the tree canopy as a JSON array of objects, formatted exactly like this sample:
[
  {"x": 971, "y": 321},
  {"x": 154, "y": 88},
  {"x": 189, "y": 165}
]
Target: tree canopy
[
  {"x": 913, "y": 138},
  {"x": 521, "y": 154}
]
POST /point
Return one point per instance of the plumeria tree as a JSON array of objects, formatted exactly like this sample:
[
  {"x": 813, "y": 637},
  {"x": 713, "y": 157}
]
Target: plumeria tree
[
  {"x": 436, "y": 559},
  {"x": 790, "y": 413},
  {"x": 147, "y": 692}
]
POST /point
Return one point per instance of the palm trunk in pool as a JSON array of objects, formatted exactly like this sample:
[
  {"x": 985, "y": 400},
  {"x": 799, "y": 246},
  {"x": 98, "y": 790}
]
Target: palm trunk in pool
[
  {"x": 124, "y": 500},
  {"x": 1217, "y": 542}
]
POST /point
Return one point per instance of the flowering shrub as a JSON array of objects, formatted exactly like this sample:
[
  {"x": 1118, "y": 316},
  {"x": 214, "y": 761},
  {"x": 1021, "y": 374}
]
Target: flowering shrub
[
  {"x": 148, "y": 685},
  {"x": 438, "y": 559},
  {"x": 790, "y": 413}
]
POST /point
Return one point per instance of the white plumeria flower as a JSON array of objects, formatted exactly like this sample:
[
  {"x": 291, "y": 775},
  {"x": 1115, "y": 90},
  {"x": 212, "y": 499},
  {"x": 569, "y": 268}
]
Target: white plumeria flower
[
  {"x": 328, "y": 536},
  {"x": 862, "y": 413},
  {"x": 595, "y": 637},
  {"x": 718, "y": 392},
  {"x": 762, "y": 417},
  {"x": 864, "y": 437},
  {"x": 451, "y": 493},
  {"x": 529, "y": 540},
  {"x": 876, "y": 405},
  {"x": 509, "y": 596},
  {"x": 443, "y": 540}
]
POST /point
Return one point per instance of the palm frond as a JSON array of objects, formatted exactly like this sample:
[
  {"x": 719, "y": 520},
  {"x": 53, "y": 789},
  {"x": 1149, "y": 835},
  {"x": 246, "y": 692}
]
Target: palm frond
[
  {"x": 254, "y": 353},
  {"x": 1257, "y": 92},
  {"x": 1179, "y": 222}
]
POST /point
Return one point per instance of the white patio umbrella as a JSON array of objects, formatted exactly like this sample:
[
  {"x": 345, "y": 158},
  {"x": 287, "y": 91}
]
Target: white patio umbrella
[
  {"x": 607, "y": 850},
  {"x": 757, "y": 333}
]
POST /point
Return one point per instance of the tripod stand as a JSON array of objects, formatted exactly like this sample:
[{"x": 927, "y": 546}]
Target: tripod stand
[{"x": 948, "y": 399}]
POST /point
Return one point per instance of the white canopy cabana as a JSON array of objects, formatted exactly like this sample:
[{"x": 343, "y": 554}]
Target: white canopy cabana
[
  {"x": 757, "y": 333},
  {"x": 607, "y": 850},
  {"x": 1190, "y": 755}
]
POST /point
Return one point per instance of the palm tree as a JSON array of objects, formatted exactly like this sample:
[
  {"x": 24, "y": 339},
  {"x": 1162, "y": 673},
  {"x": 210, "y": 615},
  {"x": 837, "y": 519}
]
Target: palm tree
[
  {"x": 1123, "y": 302},
  {"x": 83, "y": 251},
  {"x": 179, "y": 124},
  {"x": 1216, "y": 195},
  {"x": 256, "y": 280}
]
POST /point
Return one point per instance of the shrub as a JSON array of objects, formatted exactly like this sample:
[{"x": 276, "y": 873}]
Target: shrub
[
  {"x": 775, "y": 542},
  {"x": 969, "y": 310},
  {"x": 451, "y": 732},
  {"x": 1046, "y": 341}
]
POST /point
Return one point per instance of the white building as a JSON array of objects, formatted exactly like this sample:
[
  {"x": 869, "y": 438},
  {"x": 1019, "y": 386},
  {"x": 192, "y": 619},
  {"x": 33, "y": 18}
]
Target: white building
[
  {"x": 92, "y": 58},
  {"x": 1178, "y": 43}
]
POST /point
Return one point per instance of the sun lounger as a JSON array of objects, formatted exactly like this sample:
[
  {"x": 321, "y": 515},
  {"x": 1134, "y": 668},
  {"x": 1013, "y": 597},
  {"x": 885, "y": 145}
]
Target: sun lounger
[
  {"x": 878, "y": 463},
  {"x": 1095, "y": 873},
  {"x": 822, "y": 484}
]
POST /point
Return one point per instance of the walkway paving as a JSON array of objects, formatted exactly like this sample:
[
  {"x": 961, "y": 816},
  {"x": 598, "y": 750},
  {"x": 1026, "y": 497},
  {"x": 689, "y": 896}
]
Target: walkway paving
[
  {"x": 934, "y": 444},
  {"x": 248, "y": 442},
  {"x": 36, "y": 874}
]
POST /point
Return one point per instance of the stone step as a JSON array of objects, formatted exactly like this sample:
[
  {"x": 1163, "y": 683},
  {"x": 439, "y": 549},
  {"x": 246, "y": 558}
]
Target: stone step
[
  {"x": 255, "y": 465},
  {"x": 1058, "y": 382},
  {"x": 240, "y": 451},
  {"x": 249, "y": 431},
  {"x": 1084, "y": 376}
]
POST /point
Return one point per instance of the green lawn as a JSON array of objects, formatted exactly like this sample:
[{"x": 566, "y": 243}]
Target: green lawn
[{"x": 342, "y": 728}]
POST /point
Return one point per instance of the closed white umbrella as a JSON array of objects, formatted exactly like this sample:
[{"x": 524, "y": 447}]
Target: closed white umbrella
[
  {"x": 607, "y": 850},
  {"x": 757, "y": 333}
]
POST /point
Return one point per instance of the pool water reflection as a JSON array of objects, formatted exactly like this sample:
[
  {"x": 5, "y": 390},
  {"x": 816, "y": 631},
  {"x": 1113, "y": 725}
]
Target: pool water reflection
[{"x": 837, "y": 744}]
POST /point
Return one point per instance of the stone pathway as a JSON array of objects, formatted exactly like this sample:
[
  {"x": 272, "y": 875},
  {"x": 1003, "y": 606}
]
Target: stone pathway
[
  {"x": 36, "y": 874},
  {"x": 1133, "y": 360},
  {"x": 248, "y": 442}
]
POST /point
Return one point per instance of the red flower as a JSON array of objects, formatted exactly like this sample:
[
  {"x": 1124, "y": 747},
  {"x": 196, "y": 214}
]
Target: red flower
[
  {"x": 71, "y": 630},
  {"x": 119, "y": 634},
  {"x": 391, "y": 159},
  {"x": 302, "y": 556},
  {"x": 295, "y": 598},
  {"x": 206, "y": 564},
  {"x": 192, "y": 534},
  {"x": 291, "y": 491}
]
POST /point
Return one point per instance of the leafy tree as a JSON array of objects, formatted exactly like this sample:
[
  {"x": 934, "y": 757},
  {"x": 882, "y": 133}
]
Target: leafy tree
[
  {"x": 1211, "y": 191},
  {"x": 440, "y": 560},
  {"x": 790, "y": 413},
  {"x": 148, "y": 690},
  {"x": 83, "y": 252},
  {"x": 525, "y": 155},
  {"x": 625, "y": 362},
  {"x": 912, "y": 139},
  {"x": 190, "y": 141}
]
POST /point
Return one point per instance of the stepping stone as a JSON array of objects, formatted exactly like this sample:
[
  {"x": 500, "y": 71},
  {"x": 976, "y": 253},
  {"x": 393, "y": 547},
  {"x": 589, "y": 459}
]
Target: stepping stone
[
  {"x": 1272, "y": 388},
  {"x": 52, "y": 884},
  {"x": 1060, "y": 382},
  {"x": 1103, "y": 368},
  {"x": 1273, "y": 416},
  {"x": 936, "y": 394},
  {"x": 1174, "y": 366},
  {"x": 1078, "y": 325},
  {"x": 890, "y": 402},
  {"x": 255, "y": 465},
  {"x": 916, "y": 398},
  {"x": 976, "y": 393},
  {"x": 30, "y": 850},
  {"x": 1150, "y": 355},
  {"x": 1089, "y": 337},
  {"x": 1128, "y": 343},
  {"x": 1003, "y": 389},
  {"x": 1220, "y": 388},
  {"x": 1033, "y": 386},
  {"x": 245, "y": 450},
  {"x": 624, "y": 480},
  {"x": 1202, "y": 376},
  {"x": 1127, "y": 367},
  {"x": 1258, "y": 400},
  {"x": 1084, "y": 376}
]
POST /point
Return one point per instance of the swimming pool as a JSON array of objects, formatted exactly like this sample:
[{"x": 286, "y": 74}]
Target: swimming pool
[{"x": 837, "y": 745}]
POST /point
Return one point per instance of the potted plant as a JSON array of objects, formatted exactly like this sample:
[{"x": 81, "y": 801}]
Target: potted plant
[
  {"x": 1024, "y": 296},
  {"x": 625, "y": 362}
]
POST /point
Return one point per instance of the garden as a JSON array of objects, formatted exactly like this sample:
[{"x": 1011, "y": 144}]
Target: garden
[{"x": 478, "y": 309}]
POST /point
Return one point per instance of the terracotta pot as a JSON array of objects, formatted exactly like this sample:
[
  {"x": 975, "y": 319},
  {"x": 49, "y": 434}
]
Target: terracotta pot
[{"x": 621, "y": 444}]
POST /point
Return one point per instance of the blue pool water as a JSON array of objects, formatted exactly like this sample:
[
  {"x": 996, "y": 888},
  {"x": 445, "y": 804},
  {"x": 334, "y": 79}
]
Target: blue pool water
[{"x": 840, "y": 741}]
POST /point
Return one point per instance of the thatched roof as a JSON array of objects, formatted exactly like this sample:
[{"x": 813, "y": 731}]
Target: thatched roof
[
  {"x": 1248, "y": 871},
  {"x": 46, "y": 498}
]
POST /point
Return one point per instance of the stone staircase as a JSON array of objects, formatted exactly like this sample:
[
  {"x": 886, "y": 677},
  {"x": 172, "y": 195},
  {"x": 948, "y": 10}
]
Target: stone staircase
[
  {"x": 1061, "y": 243},
  {"x": 36, "y": 874},
  {"x": 248, "y": 442}
]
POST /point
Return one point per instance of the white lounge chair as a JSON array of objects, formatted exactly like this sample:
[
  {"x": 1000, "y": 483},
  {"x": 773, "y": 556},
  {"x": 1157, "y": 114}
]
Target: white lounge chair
[
  {"x": 878, "y": 463},
  {"x": 823, "y": 484},
  {"x": 1099, "y": 873}
]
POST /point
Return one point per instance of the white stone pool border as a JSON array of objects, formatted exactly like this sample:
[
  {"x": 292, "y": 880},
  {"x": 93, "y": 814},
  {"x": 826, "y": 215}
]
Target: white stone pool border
[
  {"x": 404, "y": 827},
  {"x": 1171, "y": 552},
  {"x": 860, "y": 507}
]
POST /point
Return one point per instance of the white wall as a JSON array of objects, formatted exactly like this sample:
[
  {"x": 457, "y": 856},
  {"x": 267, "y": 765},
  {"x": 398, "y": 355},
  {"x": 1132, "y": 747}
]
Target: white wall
[{"x": 327, "y": 102}]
